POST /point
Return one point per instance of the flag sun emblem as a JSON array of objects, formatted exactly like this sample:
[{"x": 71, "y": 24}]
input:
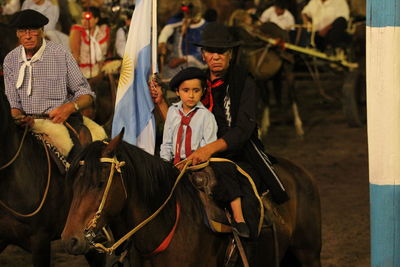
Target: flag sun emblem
[{"x": 126, "y": 71}]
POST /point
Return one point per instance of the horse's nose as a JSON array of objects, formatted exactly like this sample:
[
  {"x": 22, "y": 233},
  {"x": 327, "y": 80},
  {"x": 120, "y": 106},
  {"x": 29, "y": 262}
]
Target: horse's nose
[{"x": 75, "y": 246}]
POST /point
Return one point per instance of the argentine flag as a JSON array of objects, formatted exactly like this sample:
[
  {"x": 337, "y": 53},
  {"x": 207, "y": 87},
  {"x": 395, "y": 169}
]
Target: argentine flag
[{"x": 134, "y": 105}]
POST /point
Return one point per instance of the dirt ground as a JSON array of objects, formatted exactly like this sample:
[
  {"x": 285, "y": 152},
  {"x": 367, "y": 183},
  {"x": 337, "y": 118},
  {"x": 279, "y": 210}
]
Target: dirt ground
[{"x": 333, "y": 152}]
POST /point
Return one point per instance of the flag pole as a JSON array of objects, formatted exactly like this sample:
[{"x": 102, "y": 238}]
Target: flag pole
[{"x": 154, "y": 44}]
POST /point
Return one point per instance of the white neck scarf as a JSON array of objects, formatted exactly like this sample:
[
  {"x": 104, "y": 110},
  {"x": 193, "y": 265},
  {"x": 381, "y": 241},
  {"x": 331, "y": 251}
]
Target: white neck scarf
[
  {"x": 95, "y": 51},
  {"x": 28, "y": 63}
]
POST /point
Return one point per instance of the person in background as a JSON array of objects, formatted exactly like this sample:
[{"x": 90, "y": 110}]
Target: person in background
[
  {"x": 9, "y": 7},
  {"x": 122, "y": 33},
  {"x": 89, "y": 42},
  {"x": 175, "y": 42},
  {"x": 329, "y": 20},
  {"x": 42, "y": 77},
  {"x": 279, "y": 15}
]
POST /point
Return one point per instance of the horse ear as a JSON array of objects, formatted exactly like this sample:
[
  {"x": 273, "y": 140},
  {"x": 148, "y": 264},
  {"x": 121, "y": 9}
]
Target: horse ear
[{"x": 113, "y": 144}]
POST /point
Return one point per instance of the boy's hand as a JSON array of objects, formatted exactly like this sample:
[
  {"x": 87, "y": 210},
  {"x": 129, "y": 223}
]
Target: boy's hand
[{"x": 156, "y": 91}]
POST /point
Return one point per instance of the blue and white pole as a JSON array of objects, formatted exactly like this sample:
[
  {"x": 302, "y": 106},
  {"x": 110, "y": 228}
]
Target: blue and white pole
[{"x": 383, "y": 110}]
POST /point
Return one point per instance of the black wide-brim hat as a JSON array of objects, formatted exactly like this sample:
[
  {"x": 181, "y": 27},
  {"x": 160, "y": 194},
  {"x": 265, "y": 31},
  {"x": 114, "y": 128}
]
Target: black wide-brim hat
[
  {"x": 28, "y": 19},
  {"x": 187, "y": 74},
  {"x": 217, "y": 35}
]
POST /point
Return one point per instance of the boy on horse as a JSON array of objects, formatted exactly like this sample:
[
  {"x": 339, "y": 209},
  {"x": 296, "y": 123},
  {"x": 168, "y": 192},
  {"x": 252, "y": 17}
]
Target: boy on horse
[
  {"x": 188, "y": 126},
  {"x": 232, "y": 97}
]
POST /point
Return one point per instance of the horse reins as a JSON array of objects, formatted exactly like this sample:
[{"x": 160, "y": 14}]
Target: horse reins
[
  {"x": 47, "y": 185},
  {"x": 93, "y": 222},
  {"x": 18, "y": 151},
  {"x": 115, "y": 164}
]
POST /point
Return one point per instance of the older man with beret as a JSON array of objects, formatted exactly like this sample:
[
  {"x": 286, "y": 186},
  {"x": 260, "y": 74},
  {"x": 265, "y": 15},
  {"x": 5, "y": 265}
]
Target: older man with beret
[{"x": 42, "y": 77}]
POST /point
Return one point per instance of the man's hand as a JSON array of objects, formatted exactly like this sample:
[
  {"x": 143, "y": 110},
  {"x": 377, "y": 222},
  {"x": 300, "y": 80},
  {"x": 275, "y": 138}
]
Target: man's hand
[
  {"x": 23, "y": 121},
  {"x": 202, "y": 154},
  {"x": 61, "y": 113}
]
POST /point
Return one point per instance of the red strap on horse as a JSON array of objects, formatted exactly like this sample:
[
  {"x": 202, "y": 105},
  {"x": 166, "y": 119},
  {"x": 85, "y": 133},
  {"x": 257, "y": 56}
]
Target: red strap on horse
[
  {"x": 188, "y": 138},
  {"x": 208, "y": 100},
  {"x": 165, "y": 243}
]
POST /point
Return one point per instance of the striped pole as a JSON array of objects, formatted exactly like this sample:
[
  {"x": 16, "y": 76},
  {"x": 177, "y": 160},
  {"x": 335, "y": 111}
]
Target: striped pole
[{"x": 383, "y": 110}]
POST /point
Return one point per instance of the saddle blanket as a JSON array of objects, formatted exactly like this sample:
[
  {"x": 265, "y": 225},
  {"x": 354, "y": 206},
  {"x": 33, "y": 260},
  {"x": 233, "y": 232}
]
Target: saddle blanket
[{"x": 58, "y": 135}]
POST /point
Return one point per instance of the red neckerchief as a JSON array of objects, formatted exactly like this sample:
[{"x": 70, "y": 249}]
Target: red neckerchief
[
  {"x": 188, "y": 138},
  {"x": 208, "y": 100}
]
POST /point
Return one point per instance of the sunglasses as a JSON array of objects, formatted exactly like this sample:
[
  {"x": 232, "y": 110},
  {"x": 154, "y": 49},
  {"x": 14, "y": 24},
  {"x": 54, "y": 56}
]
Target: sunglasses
[{"x": 216, "y": 50}]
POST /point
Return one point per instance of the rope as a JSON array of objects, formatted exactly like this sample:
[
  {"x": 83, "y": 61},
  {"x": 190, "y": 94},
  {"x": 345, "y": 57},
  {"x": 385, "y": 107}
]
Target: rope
[
  {"x": 44, "y": 195},
  {"x": 115, "y": 164},
  {"x": 18, "y": 150}
]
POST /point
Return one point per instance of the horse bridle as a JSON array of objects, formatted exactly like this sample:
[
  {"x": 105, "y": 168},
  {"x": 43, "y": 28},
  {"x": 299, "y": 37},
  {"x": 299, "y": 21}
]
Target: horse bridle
[{"x": 89, "y": 231}]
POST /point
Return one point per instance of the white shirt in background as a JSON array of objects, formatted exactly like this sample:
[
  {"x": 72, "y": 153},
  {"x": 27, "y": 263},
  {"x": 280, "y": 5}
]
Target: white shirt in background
[
  {"x": 120, "y": 42},
  {"x": 284, "y": 21},
  {"x": 325, "y": 13}
]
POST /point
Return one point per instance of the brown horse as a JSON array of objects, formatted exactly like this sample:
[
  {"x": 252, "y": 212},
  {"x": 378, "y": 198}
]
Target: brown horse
[
  {"x": 26, "y": 175},
  {"x": 138, "y": 187}
]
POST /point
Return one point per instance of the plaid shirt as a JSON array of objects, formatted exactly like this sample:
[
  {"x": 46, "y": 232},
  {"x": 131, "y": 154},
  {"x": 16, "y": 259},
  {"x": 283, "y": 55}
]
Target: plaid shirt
[{"x": 56, "y": 80}]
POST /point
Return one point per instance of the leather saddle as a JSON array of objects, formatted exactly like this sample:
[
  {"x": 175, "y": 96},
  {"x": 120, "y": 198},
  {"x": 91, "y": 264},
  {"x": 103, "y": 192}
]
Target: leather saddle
[{"x": 204, "y": 181}]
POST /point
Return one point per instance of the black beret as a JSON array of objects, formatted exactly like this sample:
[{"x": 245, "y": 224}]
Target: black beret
[
  {"x": 28, "y": 19},
  {"x": 187, "y": 74}
]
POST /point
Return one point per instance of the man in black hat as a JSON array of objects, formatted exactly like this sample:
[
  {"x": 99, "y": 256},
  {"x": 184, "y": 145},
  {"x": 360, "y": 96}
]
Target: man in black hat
[
  {"x": 232, "y": 97},
  {"x": 42, "y": 77}
]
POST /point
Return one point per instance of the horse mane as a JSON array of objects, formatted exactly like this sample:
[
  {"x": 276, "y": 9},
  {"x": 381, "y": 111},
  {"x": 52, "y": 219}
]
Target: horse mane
[{"x": 152, "y": 176}]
